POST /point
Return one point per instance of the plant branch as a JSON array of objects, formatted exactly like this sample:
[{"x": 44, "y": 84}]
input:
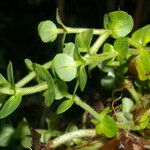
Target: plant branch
[
  {"x": 100, "y": 57},
  {"x": 72, "y": 135},
  {"x": 134, "y": 43},
  {"x": 132, "y": 91},
  {"x": 95, "y": 47},
  {"x": 86, "y": 107},
  {"x": 34, "y": 89},
  {"x": 70, "y": 30},
  {"x": 31, "y": 75}
]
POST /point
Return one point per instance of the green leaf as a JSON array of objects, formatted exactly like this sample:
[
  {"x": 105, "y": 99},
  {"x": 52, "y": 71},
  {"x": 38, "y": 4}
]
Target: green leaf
[
  {"x": 127, "y": 105},
  {"x": 22, "y": 129},
  {"x": 46, "y": 76},
  {"x": 69, "y": 49},
  {"x": 103, "y": 113},
  {"x": 82, "y": 77},
  {"x": 6, "y": 134},
  {"x": 59, "y": 20},
  {"x": 3, "y": 98},
  {"x": 119, "y": 22},
  {"x": 29, "y": 64},
  {"x": 144, "y": 119},
  {"x": 26, "y": 142},
  {"x": 84, "y": 40},
  {"x": 142, "y": 35},
  {"x": 121, "y": 46},
  {"x": 49, "y": 98},
  {"x": 65, "y": 67},
  {"x": 77, "y": 55},
  {"x": 10, "y": 74},
  {"x": 10, "y": 105},
  {"x": 108, "y": 48},
  {"x": 64, "y": 106},
  {"x": 107, "y": 81},
  {"x": 61, "y": 89},
  {"x": 107, "y": 126},
  {"x": 47, "y": 31},
  {"x": 3, "y": 81},
  {"x": 141, "y": 65}
]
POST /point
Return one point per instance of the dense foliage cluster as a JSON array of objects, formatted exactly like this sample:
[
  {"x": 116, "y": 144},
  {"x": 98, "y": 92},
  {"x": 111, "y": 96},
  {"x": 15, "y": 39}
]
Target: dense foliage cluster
[{"x": 125, "y": 63}]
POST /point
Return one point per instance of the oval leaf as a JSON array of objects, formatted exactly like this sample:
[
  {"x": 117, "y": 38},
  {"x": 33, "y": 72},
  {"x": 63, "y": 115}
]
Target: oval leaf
[
  {"x": 61, "y": 89},
  {"x": 65, "y": 67},
  {"x": 10, "y": 74},
  {"x": 48, "y": 98},
  {"x": 29, "y": 64},
  {"x": 10, "y": 105},
  {"x": 64, "y": 106},
  {"x": 47, "y": 31},
  {"x": 127, "y": 105},
  {"x": 69, "y": 49},
  {"x": 84, "y": 40},
  {"x": 82, "y": 78},
  {"x": 119, "y": 22},
  {"x": 142, "y": 35},
  {"x": 121, "y": 46},
  {"x": 46, "y": 76}
]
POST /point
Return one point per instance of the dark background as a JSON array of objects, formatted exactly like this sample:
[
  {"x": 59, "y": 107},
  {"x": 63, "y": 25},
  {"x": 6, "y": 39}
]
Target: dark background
[{"x": 19, "y": 19}]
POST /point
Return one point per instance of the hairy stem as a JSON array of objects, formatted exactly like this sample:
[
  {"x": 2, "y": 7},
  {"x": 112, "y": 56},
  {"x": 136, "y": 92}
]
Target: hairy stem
[
  {"x": 70, "y": 30},
  {"x": 86, "y": 107},
  {"x": 72, "y": 135},
  {"x": 30, "y": 76},
  {"x": 101, "y": 39},
  {"x": 99, "y": 58},
  {"x": 134, "y": 43}
]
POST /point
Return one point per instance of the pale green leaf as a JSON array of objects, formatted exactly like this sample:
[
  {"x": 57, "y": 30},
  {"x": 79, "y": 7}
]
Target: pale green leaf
[
  {"x": 127, "y": 105},
  {"x": 142, "y": 35},
  {"x": 47, "y": 31},
  {"x": 119, "y": 22},
  {"x": 29, "y": 64},
  {"x": 65, "y": 67},
  {"x": 69, "y": 49}
]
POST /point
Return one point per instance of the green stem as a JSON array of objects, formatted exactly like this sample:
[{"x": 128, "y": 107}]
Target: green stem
[
  {"x": 26, "y": 90},
  {"x": 101, "y": 39},
  {"x": 72, "y": 135},
  {"x": 70, "y": 30},
  {"x": 86, "y": 107},
  {"x": 99, "y": 58},
  {"x": 7, "y": 91},
  {"x": 132, "y": 91},
  {"x": 34, "y": 89},
  {"x": 31, "y": 75},
  {"x": 134, "y": 43}
]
